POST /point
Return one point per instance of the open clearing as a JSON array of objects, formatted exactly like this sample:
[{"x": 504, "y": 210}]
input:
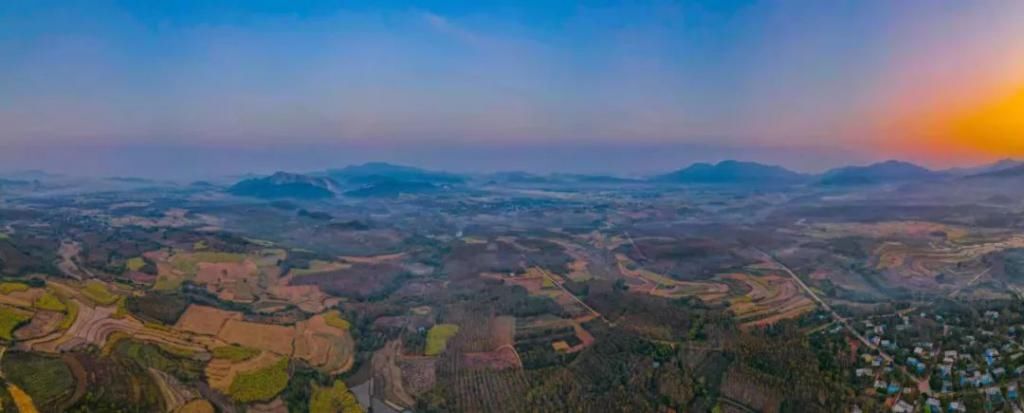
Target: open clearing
[
  {"x": 771, "y": 298},
  {"x": 438, "y": 336},
  {"x": 268, "y": 337},
  {"x": 201, "y": 319}
]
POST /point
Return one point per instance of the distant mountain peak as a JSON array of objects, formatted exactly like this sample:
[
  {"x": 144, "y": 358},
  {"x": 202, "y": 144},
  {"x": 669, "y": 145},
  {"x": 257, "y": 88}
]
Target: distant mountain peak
[
  {"x": 382, "y": 171},
  {"x": 286, "y": 185},
  {"x": 1012, "y": 171},
  {"x": 891, "y": 171},
  {"x": 733, "y": 172},
  {"x": 1002, "y": 164}
]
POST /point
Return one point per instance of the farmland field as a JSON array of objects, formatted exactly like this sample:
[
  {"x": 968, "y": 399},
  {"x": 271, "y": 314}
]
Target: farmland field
[
  {"x": 261, "y": 384},
  {"x": 46, "y": 379},
  {"x": 438, "y": 336},
  {"x": 335, "y": 398},
  {"x": 10, "y": 319},
  {"x": 99, "y": 293},
  {"x": 235, "y": 353},
  {"x": 502, "y": 293}
]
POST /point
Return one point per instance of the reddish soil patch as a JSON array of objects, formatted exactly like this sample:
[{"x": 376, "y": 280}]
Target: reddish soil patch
[
  {"x": 205, "y": 320},
  {"x": 43, "y": 323},
  {"x": 503, "y": 358},
  {"x": 269, "y": 337}
]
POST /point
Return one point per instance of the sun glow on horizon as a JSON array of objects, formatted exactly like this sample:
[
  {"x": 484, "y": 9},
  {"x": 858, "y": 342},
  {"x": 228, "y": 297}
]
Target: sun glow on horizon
[{"x": 970, "y": 129}]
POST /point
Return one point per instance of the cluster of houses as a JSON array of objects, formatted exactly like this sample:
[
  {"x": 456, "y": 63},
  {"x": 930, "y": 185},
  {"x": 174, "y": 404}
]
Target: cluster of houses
[{"x": 992, "y": 373}]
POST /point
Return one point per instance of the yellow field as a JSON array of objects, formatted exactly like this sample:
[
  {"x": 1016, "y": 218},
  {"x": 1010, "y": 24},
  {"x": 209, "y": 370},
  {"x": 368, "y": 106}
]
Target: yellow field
[
  {"x": 21, "y": 399},
  {"x": 135, "y": 264},
  {"x": 10, "y": 287},
  {"x": 97, "y": 292},
  {"x": 437, "y": 338},
  {"x": 334, "y": 319},
  {"x": 11, "y": 318},
  {"x": 334, "y": 399},
  {"x": 262, "y": 384}
]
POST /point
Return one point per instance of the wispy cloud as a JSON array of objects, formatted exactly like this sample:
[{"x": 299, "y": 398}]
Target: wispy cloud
[{"x": 446, "y": 27}]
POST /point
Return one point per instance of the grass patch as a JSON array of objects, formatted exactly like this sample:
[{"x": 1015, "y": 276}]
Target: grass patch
[
  {"x": 332, "y": 399},
  {"x": 235, "y": 353},
  {"x": 48, "y": 380},
  {"x": 196, "y": 406},
  {"x": 177, "y": 351},
  {"x": 165, "y": 308},
  {"x": 262, "y": 384},
  {"x": 8, "y": 287},
  {"x": 157, "y": 357},
  {"x": 167, "y": 283},
  {"x": 437, "y": 338},
  {"x": 113, "y": 340},
  {"x": 71, "y": 316},
  {"x": 318, "y": 266},
  {"x": 97, "y": 292},
  {"x": 157, "y": 326},
  {"x": 122, "y": 309},
  {"x": 10, "y": 319},
  {"x": 188, "y": 264},
  {"x": 135, "y": 264},
  {"x": 334, "y": 319},
  {"x": 49, "y": 301}
]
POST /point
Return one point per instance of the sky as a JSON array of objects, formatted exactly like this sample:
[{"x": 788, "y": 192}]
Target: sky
[{"x": 195, "y": 87}]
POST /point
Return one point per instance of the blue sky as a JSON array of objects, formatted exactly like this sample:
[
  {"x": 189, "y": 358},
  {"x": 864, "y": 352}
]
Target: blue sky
[{"x": 392, "y": 79}]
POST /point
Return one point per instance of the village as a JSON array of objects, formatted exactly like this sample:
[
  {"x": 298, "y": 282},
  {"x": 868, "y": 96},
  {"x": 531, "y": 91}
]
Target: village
[{"x": 941, "y": 358}]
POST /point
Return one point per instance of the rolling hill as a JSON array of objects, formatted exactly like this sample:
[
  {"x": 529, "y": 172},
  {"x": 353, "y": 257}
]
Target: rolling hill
[
  {"x": 733, "y": 172},
  {"x": 369, "y": 173},
  {"x": 286, "y": 185},
  {"x": 384, "y": 187},
  {"x": 879, "y": 173},
  {"x": 1010, "y": 172}
]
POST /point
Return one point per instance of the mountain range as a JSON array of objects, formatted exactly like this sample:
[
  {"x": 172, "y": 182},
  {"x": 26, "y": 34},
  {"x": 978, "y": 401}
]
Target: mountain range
[
  {"x": 1011, "y": 171},
  {"x": 378, "y": 179},
  {"x": 887, "y": 172},
  {"x": 733, "y": 172},
  {"x": 375, "y": 172}
]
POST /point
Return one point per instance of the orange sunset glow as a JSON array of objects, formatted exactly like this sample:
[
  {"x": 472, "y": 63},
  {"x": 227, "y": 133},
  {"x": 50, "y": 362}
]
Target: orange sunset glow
[{"x": 984, "y": 128}]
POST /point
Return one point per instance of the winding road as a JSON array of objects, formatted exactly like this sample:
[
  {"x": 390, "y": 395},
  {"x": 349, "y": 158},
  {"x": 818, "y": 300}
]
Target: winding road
[{"x": 824, "y": 305}]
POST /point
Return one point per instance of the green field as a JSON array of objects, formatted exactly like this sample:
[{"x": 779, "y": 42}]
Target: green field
[
  {"x": 261, "y": 384},
  {"x": 97, "y": 292},
  {"x": 235, "y": 353},
  {"x": 165, "y": 308},
  {"x": 47, "y": 379},
  {"x": 135, "y": 264},
  {"x": 188, "y": 264},
  {"x": 49, "y": 301},
  {"x": 334, "y": 319},
  {"x": 10, "y": 319},
  {"x": 71, "y": 316},
  {"x": 166, "y": 283},
  {"x": 150, "y": 355},
  {"x": 438, "y": 336},
  {"x": 11, "y": 287},
  {"x": 333, "y": 399}
]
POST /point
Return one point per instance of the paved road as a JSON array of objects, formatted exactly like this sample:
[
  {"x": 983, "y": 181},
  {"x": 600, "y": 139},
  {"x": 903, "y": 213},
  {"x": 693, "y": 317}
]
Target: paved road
[
  {"x": 825, "y": 305},
  {"x": 969, "y": 283}
]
